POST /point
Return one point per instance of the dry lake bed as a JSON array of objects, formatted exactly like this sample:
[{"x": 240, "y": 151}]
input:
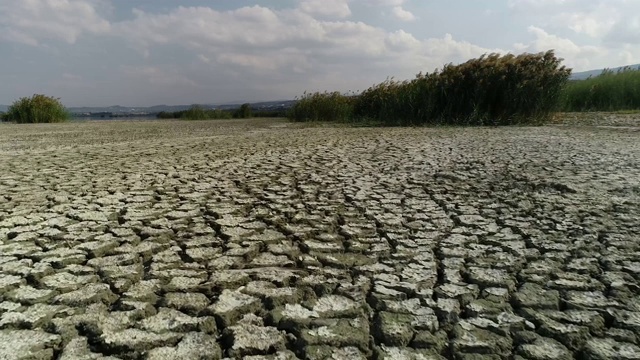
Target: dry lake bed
[{"x": 262, "y": 239}]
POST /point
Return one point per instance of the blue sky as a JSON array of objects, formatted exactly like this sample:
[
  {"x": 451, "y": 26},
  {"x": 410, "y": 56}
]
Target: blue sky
[{"x": 150, "y": 52}]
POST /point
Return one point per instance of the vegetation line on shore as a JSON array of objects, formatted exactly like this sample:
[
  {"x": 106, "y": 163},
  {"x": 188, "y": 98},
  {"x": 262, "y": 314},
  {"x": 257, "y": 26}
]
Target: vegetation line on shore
[
  {"x": 493, "y": 89},
  {"x": 610, "y": 91},
  {"x": 490, "y": 90}
]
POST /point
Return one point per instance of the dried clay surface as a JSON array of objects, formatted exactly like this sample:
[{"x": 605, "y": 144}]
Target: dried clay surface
[{"x": 262, "y": 239}]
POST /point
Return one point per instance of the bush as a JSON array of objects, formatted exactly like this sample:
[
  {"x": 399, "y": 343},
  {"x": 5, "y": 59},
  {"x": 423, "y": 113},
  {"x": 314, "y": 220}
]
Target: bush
[
  {"x": 609, "y": 91},
  {"x": 37, "y": 109},
  {"x": 3, "y": 116},
  {"x": 490, "y": 90}
]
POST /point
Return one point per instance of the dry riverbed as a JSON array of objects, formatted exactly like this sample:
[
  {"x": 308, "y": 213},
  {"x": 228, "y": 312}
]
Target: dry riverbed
[{"x": 268, "y": 240}]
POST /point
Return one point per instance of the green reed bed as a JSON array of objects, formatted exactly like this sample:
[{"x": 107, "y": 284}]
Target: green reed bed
[
  {"x": 610, "y": 91},
  {"x": 490, "y": 90},
  {"x": 326, "y": 106}
]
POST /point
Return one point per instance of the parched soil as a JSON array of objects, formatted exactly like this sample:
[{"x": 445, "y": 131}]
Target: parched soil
[{"x": 267, "y": 240}]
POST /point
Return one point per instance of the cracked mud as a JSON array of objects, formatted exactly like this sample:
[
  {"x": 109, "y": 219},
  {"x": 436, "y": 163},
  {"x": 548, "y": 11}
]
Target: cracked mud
[{"x": 269, "y": 240}]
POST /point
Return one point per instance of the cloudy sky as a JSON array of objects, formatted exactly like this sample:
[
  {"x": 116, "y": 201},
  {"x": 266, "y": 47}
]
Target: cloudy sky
[{"x": 149, "y": 52}]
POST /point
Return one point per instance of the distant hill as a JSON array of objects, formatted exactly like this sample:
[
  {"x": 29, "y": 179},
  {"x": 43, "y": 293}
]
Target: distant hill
[
  {"x": 3, "y": 108},
  {"x": 585, "y": 74}
]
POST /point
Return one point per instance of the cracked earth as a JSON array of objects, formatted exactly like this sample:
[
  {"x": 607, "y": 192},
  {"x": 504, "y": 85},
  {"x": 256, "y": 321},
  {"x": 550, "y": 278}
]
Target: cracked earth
[{"x": 267, "y": 240}]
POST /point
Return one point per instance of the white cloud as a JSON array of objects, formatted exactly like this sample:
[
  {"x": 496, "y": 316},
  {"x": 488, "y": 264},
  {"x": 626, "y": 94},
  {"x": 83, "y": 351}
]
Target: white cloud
[
  {"x": 159, "y": 76},
  {"x": 578, "y": 57},
  {"x": 594, "y": 25},
  {"x": 626, "y": 31},
  {"x": 31, "y": 21},
  {"x": 448, "y": 48},
  {"x": 326, "y": 8},
  {"x": 611, "y": 21},
  {"x": 205, "y": 28},
  {"x": 402, "y": 40},
  {"x": 384, "y": 2},
  {"x": 402, "y": 14},
  {"x": 71, "y": 77},
  {"x": 588, "y": 34},
  {"x": 594, "y": 19},
  {"x": 545, "y": 41},
  {"x": 255, "y": 36},
  {"x": 292, "y": 47},
  {"x": 266, "y": 52},
  {"x": 540, "y": 4}
]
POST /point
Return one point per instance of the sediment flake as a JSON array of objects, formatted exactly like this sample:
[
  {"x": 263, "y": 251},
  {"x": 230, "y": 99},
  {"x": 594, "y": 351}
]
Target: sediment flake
[{"x": 261, "y": 239}]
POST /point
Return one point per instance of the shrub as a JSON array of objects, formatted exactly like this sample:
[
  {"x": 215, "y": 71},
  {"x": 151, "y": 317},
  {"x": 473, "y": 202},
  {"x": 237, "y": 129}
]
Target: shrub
[
  {"x": 609, "y": 91},
  {"x": 3, "y": 116},
  {"x": 37, "y": 109}
]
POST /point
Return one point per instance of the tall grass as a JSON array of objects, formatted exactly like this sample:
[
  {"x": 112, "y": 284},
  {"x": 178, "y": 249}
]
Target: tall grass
[
  {"x": 327, "y": 106},
  {"x": 393, "y": 102},
  {"x": 37, "y": 109},
  {"x": 609, "y": 91},
  {"x": 490, "y": 90}
]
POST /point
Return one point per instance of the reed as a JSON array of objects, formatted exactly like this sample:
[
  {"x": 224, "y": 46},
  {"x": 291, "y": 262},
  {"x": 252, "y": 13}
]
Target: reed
[
  {"x": 490, "y": 90},
  {"x": 326, "y": 106},
  {"x": 609, "y": 91}
]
